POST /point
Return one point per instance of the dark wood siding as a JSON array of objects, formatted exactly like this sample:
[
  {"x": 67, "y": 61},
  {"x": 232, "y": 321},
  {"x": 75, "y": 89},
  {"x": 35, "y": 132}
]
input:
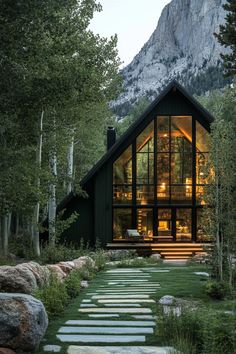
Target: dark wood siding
[
  {"x": 103, "y": 204},
  {"x": 83, "y": 227}
]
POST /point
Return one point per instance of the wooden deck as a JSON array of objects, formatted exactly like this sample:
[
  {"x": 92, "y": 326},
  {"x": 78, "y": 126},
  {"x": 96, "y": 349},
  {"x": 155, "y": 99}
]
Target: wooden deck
[{"x": 167, "y": 250}]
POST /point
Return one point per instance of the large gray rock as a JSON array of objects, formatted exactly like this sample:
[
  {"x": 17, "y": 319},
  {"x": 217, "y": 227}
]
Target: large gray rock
[
  {"x": 66, "y": 267},
  {"x": 23, "y": 322},
  {"x": 17, "y": 279},
  {"x": 84, "y": 261},
  {"x": 57, "y": 271},
  {"x": 41, "y": 273},
  {"x": 23, "y": 278},
  {"x": 167, "y": 300},
  {"x": 156, "y": 257}
]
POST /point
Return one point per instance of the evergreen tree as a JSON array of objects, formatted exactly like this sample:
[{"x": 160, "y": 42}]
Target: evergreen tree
[{"x": 227, "y": 37}]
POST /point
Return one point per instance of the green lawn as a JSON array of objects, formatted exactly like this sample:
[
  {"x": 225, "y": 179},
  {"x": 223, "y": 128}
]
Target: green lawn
[{"x": 179, "y": 282}]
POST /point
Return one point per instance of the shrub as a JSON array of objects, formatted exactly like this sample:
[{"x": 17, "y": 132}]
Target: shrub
[
  {"x": 55, "y": 253},
  {"x": 198, "y": 331},
  {"x": 54, "y": 296},
  {"x": 72, "y": 283},
  {"x": 7, "y": 260},
  {"x": 138, "y": 262},
  {"x": 119, "y": 255},
  {"x": 218, "y": 333},
  {"x": 86, "y": 272},
  {"x": 100, "y": 258},
  {"x": 21, "y": 246},
  {"x": 183, "y": 332},
  {"x": 216, "y": 289}
]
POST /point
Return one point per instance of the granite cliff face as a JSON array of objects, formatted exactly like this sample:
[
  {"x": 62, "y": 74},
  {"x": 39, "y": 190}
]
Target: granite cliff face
[{"x": 182, "y": 47}]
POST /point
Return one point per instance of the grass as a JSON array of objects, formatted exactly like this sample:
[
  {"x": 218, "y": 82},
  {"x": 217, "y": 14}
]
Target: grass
[{"x": 180, "y": 282}]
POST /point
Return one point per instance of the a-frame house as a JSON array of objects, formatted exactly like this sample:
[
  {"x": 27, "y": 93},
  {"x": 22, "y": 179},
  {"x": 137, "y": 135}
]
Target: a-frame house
[{"x": 151, "y": 180}]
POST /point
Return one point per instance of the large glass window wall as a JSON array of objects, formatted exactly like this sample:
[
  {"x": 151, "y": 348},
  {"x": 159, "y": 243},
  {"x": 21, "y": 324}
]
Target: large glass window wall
[
  {"x": 202, "y": 155},
  {"x": 163, "y": 166}
]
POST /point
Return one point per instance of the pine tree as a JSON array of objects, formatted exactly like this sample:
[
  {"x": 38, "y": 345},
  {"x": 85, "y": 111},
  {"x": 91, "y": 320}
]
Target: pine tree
[{"x": 227, "y": 37}]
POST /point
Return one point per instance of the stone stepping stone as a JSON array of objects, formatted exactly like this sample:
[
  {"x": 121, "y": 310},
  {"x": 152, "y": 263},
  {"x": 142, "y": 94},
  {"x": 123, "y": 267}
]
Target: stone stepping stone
[
  {"x": 124, "y": 270},
  {"x": 154, "y": 268},
  {"x": 88, "y": 305},
  {"x": 142, "y": 289},
  {"x": 117, "y": 297},
  {"x": 86, "y": 300},
  {"x": 127, "y": 292},
  {"x": 133, "y": 284},
  {"x": 204, "y": 274},
  {"x": 127, "y": 276},
  {"x": 130, "y": 287},
  {"x": 143, "y": 317},
  {"x": 120, "y": 294},
  {"x": 128, "y": 280},
  {"x": 106, "y": 330},
  {"x": 119, "y": 350},
  {"x": 50, "y": 348},
  {"x": 104, "y": 315},
  {"x": 117, "y": 310},
  {"x": 138, "y": 287},
  {"x": 121, "y": 305},
  {"x": 121, "y": 291},
  {"x": 73, "y": 338},
  {"x": 123, "y": 301},
  {"x": 130, "y": 294},
  {"x": 160, "y": 271},
  {"x": 110, "y": 323}
]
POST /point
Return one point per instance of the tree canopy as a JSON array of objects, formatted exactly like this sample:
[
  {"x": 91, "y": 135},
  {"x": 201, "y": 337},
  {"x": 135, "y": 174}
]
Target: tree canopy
[
  {"x": 57, "y": 78},
  {"x": 227, "y": 37}
]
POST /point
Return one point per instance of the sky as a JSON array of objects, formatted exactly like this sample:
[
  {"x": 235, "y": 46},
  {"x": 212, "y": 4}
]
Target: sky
[{"x": 132, "y": 20}]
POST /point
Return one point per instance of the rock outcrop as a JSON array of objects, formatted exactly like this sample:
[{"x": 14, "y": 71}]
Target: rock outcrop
[
  {"x": 25, "y": 278},
  {"x": 23, "y": 322},
  {"x": 182, "y": 47},
  {"x": 17, "y": 280},
  {"x": 23, "y": 319}
]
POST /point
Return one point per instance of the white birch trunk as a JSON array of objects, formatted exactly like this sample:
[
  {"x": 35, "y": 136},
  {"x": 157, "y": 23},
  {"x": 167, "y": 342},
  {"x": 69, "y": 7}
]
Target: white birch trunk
[
  {"x": 35, "y": 228},
  {"x": 5, "y": 234},
  {"x": 70, "y": 162},
  {"x": 9, "y": 224},
  {"x": 17, "y": 224},
  {"x": 218, "y": 241},
  {"x": 52, "y": 191},
  {"x": 1, "y": 235}
]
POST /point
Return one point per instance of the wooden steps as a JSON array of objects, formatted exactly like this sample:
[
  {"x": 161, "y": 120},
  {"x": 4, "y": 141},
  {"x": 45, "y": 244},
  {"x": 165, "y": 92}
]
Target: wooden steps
[{"x": 167, "y": 250}]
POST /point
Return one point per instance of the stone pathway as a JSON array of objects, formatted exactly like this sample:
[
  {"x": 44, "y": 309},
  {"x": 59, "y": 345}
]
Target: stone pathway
[{"x": 119, "y": 310}]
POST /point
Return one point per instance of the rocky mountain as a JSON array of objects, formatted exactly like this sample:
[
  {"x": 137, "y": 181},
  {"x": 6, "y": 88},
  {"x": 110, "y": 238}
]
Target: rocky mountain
[{"x": 182, "y": 47}]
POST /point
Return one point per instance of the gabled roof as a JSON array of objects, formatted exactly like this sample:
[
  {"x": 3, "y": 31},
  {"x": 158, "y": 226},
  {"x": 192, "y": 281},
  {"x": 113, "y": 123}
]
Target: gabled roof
[{"x": 173, "y": 85}]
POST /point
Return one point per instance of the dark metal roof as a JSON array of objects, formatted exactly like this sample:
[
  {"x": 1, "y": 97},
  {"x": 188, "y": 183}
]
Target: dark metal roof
[{"x": 174, "y": 84}]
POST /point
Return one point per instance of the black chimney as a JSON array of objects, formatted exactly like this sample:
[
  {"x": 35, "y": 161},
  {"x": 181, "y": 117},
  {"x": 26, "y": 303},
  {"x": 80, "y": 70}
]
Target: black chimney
[{"x": 111, "y": 137}]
